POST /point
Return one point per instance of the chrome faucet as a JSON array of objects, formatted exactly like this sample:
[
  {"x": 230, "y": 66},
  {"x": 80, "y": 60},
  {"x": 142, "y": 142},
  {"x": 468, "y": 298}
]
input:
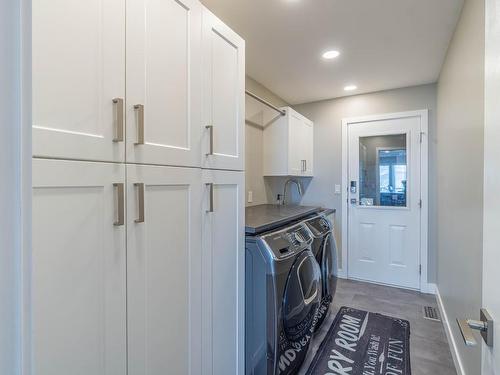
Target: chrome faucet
[{"x": 299, "y": 188}]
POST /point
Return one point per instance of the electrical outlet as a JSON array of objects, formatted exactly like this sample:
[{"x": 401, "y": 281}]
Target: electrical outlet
[{"x": 250, "y": 196}]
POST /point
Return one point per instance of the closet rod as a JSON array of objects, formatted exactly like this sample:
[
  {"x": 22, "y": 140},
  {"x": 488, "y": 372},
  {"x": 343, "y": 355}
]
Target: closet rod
[{"x": 258, "y": 98}]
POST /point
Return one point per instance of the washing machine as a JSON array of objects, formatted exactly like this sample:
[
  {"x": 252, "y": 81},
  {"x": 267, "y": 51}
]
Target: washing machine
[
  {"x": 324, "y": 249},
  {"x": 282, "y": 298}
]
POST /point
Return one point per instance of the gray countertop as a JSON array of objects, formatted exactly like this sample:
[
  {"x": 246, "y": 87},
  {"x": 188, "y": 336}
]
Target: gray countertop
[{"x": 265, "y": 217}]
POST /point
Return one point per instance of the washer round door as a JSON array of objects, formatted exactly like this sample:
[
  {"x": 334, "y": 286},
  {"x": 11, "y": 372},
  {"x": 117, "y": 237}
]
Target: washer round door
[
  {"x": 302, "y": 297},
  {"x": 328, "y": 266}
]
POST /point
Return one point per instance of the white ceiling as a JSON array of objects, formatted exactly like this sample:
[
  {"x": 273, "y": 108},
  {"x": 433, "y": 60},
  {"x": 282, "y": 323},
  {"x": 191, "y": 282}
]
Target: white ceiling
[{"x": 384, "y": 44}]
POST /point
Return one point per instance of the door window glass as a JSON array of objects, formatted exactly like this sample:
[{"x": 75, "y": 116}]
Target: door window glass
[{"x": 383, "y": 170}]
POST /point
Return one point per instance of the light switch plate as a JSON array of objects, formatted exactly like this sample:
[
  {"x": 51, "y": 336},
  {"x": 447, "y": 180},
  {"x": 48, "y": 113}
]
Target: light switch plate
[
  {"x": 337, "y": 189},
  {"x": 250, "y": 196}
]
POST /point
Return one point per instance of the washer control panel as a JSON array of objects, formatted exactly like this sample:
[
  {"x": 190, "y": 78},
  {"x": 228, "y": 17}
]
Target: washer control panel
[{"x": 289, "y": 241}]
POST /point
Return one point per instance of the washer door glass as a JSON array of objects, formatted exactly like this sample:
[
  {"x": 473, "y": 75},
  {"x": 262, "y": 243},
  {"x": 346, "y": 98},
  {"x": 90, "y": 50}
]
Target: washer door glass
[{"x": 302, "y": 296}]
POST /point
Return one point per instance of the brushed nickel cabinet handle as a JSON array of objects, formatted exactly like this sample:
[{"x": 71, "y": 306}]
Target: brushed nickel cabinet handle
[
  {"x": 211, "y": 147},
  {"x": 120, "y": 189},
  {"x": 211, "y": 197},
  {"x": 140, "y": 202},
  {"x": 139, "y": 108},
  {"x": 119, "y": 119}
]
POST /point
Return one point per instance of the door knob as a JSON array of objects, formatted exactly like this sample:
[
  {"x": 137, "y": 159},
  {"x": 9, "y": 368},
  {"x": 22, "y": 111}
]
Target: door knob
[{"x": 484, "y": 326}]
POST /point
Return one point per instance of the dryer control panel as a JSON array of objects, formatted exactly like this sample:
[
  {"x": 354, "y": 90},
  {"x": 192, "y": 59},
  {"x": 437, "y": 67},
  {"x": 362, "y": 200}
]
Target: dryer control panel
[{"x": 319, "y": 226}]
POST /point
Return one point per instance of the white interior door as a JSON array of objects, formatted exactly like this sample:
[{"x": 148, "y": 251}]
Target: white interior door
[
  {"x": 224, "y": 96},
  {"x": 223, "y": 273},
  {"x": 78, "y": 269},
  {"x": 384, "y": 201},
  {"x": 164, "y": 270},
  {"x": 491, "y": 199},
  {"x": 164, "y": 82},
  {"x": 79, "y": 85}
]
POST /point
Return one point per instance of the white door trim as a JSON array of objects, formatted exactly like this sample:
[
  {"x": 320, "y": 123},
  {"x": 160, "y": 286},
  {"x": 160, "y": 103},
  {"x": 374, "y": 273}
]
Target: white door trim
[{"x": 425, "y": 286}]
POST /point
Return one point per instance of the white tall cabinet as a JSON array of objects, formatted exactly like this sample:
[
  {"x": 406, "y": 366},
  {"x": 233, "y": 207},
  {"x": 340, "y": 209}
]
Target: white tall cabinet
[{"x": 138, "y": 189}]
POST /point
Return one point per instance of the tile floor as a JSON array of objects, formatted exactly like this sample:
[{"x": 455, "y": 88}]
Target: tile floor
[{"x": 430, "y": 353}]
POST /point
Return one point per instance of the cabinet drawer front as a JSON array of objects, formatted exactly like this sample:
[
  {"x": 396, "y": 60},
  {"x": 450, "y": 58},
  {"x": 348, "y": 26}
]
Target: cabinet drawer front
[
  {"x": 78, "y": 287},
  {"x": 164, "y": 270},
  {"x": 224, "y": 95},
  {"x": 79, "y": 63},
  {"x": 164, "y": 77}
]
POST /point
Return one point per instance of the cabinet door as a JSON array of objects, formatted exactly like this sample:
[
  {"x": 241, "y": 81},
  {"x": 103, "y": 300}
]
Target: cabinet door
[
  {"x": 164, "y": 82},
  {"x": 79, "y": 85},
  {"x": 224, "y": 96},
  {"x": 308, "y": 148},
  {"x": 78, "y": 276},
  {"x": 223, "y": 273},
  {"x": 297, "y": 140},
  {"x": 300, "y": 161},
  {"x": 164, "y": 270}
]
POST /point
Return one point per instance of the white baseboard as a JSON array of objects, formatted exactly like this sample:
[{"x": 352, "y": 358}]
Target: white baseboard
[
  {"x": 429, "y": 288},
  {"x": 341, "y": 274},
  {"x": 449, "y": 334}
]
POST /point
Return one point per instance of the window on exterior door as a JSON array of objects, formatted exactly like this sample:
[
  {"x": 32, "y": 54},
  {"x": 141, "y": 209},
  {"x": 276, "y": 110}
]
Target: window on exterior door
[
  {"x": 383, "y": 170},
  {"x": 392, "y": 172}
]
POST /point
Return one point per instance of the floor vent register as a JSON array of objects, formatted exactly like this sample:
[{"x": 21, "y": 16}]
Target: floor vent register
[{"x": 431, "y": 313}]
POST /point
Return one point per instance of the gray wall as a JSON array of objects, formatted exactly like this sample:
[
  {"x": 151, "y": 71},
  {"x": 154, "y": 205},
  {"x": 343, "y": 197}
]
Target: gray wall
[
  {"x": 327, "y": 116},
  {"x": 460, "y": 175},
  {"x": 254, "y": 133}
]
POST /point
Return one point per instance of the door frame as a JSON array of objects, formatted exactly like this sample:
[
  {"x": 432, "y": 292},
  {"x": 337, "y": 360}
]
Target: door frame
[{"x": 423, "y": 114}]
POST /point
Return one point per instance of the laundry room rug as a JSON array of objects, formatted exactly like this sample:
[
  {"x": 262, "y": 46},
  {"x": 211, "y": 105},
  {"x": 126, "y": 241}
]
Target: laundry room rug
[{"x": 364, "y": 343}]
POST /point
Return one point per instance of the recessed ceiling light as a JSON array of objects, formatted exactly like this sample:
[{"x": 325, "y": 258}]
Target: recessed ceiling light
[
  {"x": 328, "y": 55},
  {"x": 350, "y": 87}
]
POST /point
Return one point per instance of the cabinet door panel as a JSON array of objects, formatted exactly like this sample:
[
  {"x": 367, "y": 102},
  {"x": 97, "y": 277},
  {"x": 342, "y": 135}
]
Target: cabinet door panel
[
  {"x": 78, "y": 289},
  {"x": 164, "y": 270},
  {"x": 223, "y": 274},
  {"x": 224, "y": 95},
  {"x": 79, "y": 60},
  {"x": 309, "y": 148},
  {"x": 296, "y": 146},
  {"x": 164, "y": 75}
]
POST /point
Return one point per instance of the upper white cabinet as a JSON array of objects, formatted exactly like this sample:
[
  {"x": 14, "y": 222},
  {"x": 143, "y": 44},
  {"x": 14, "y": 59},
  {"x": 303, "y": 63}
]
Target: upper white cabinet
[
  {"x": 164, "y": 270},
  {"x": 164, "y": 82},
  {"x": 79, "y": 79},
  {"x": 78, "y": 268},
  {"x": 223, "y": 96},
  {"x": 223, "y": 267},
  {"x": 288, "y": 146}
]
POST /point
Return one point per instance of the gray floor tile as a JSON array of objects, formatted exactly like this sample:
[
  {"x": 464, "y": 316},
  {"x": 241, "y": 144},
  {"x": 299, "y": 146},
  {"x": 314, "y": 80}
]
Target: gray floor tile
[{"x": 429, "y": 349}]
